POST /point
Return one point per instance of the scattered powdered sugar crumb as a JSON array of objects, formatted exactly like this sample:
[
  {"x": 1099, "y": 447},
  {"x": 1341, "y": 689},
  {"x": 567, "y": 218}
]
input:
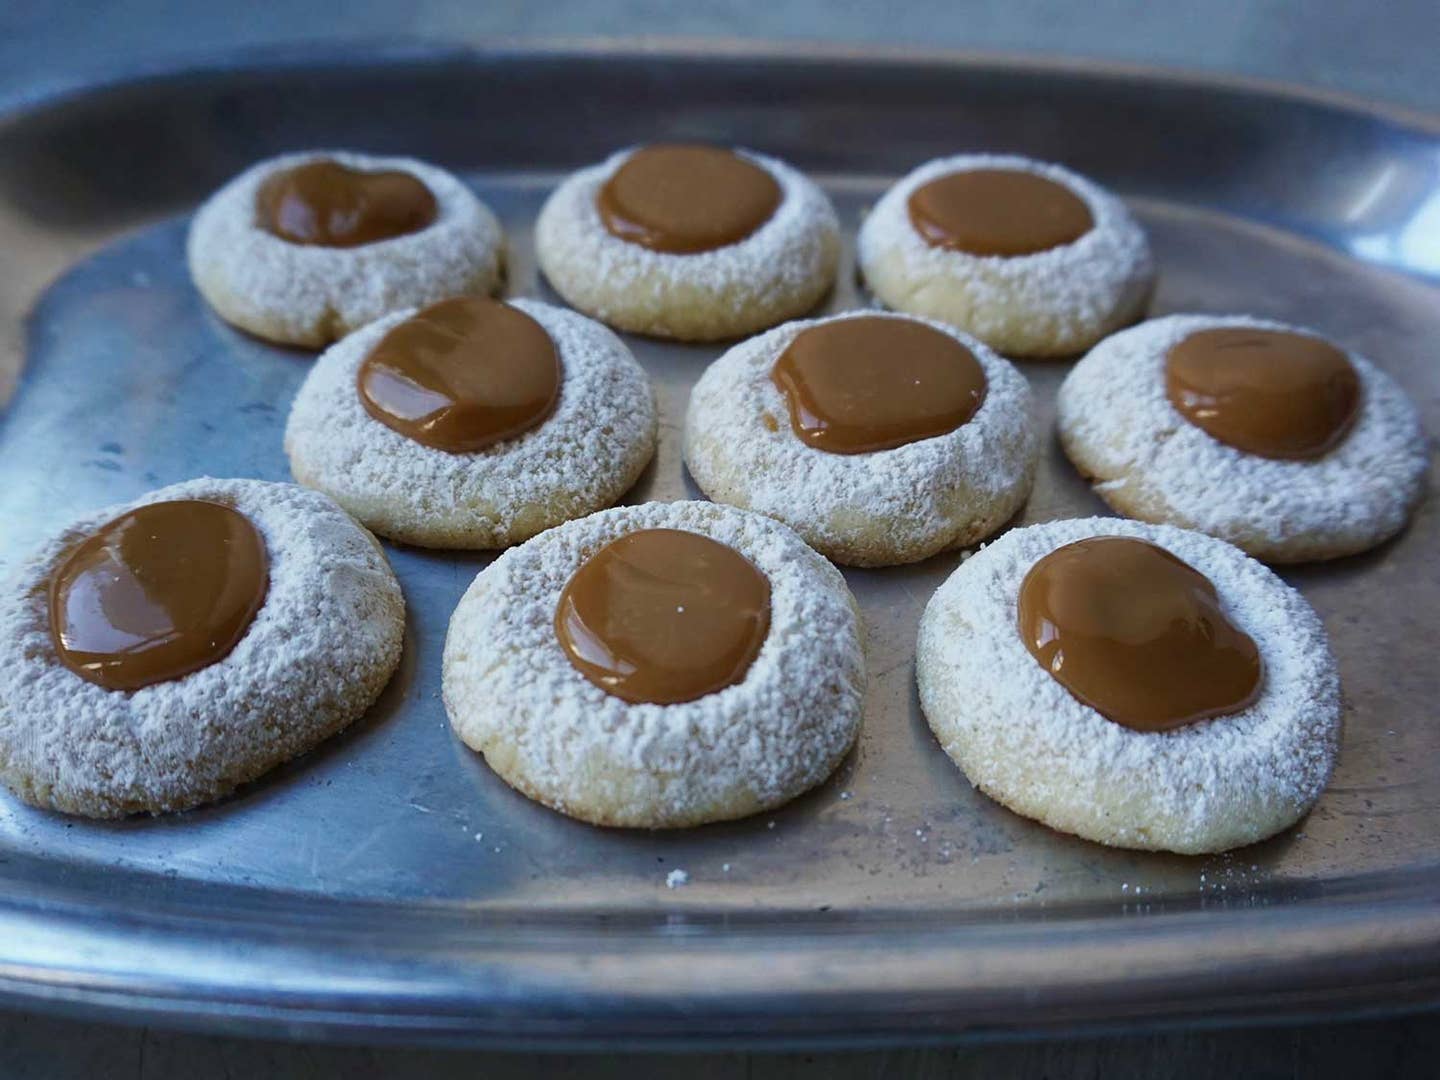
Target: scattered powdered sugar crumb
[
  {"x": 917, "y": 499},
  {"x": 1117, "y": 421},
  {"x": 509, "y": 687},
  {"x": 1021, "y": 736},
  {"x": 676, "y": 878}
]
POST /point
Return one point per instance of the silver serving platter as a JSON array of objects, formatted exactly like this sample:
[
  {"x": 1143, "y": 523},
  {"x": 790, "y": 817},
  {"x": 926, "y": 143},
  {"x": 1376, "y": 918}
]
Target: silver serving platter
[{"x": 389, "y": 886}]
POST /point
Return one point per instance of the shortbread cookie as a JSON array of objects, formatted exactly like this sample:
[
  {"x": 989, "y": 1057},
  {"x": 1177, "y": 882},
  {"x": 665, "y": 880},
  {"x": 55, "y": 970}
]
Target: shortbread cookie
[
  {"x": 576, "y": 455},
  {"x": 688, "y": 242},
  {"x": 210, "y": 631},
  {"x": 761, "y": 627},
  {"x": 1030, "y": 742},
  {"x": 1031, "y": 258},
  {"x": 305, "y": 248},
  {"x": 922, "y": 477},
  {"x": 1120, "y": 427}
]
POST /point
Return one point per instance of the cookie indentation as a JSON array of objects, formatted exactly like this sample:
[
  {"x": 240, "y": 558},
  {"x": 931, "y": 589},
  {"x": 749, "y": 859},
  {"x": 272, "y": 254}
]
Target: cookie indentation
[
  {"x": 998, "y": 212},
  {"x": 1136, "y": 634},
  {"x": 161, "y": 591},
  {"x": 684, "y": 199},
  {"x": 1267, "y": 392},
  {"x": 664, "y": 616},
  {"x": 855, "y": 386},
  {"x": 327, "y": 204},
  {"x": 462, "y": 375}
]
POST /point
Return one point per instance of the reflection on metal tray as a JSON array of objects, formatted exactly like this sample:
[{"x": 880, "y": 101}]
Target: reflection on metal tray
[{"x": 389, "y": 882}]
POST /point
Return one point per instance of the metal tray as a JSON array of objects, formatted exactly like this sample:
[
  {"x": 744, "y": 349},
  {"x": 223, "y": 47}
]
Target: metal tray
[{"x": 389, "y": 886}]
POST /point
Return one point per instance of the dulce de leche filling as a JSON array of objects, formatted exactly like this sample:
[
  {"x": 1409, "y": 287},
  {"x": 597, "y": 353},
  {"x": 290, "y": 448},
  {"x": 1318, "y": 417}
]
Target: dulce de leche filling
[
  {"x": 1136, "y": 634},
  {"x": 664, "y": 616},
  {"x": 682, "y": 199},
  {"x": 1267, "y": 392},
  {"x": 159, "y": 592},
  {"x": 998, "y": 212},
  {"x": 326, "y": 204},
  {"x": 874, "y": 383},
  {"x": 461, "y": 375}
]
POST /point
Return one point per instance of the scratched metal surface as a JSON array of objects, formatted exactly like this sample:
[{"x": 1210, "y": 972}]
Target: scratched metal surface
[{"x": 388, "y": 882}]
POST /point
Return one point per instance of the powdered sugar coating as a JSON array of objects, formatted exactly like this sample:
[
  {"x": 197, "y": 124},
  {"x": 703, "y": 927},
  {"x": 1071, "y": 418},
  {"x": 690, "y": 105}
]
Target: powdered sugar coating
[
  {"x": 583, "y": 457},
  {"x": 306, "y": 294},
  {"x": 779, "y": 271},
  {"x": 876, "y": 509},
  {"x": 513, "y": 695},
  {"x": 1052, "y": 303},
  {"x": 1022, "y": 738},
  {"x": 1148, "y": 461},
  {"x": 322, "y": 646}
]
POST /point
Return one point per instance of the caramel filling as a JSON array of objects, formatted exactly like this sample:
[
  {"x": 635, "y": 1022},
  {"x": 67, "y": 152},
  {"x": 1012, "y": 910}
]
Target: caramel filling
[
  {"x": 998, "y": 212},
  {"x": 873, "y": 383},
  {"x": 663, "y": 616},
  {"x": 1267, "y": 392},
  {"x": 1136, "y": 634},
  {"x": 326, "y": 204},
  {"x": 462, "y": 375},
  {"x": 157, "y": 593},
  {"x": 684, "y": 199}
]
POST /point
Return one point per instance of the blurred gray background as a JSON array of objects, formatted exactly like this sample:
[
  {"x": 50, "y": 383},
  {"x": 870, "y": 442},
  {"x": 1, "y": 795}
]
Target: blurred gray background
[
  {"x": 1382, "y": 49},
  {"x": 1388, "y": 50}
]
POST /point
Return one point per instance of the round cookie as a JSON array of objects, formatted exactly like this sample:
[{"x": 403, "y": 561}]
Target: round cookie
[
  {"x": 514, "y": 695},
  {"x": 1118, "y": 426},
  {"x": 1024, "y": 740},
  {"x": 584, "y": 456},
  {"x": 779, "y": 271},
  {"x": 309, "y": 294},
  {"x": 321, "y": 647},
  {"x": 1051, "y": 303},
  {"x": 871, "y": 509}
]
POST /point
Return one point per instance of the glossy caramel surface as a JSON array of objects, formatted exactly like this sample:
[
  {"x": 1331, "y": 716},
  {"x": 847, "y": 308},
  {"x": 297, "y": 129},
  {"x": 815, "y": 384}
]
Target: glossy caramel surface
[
  {"x": 664, "y": 616},
  {"x": 854, "y": 386},
  {"x": 326, "y": 204},
  {"x": 1136, "y": 634},
  {"x": 462, "y": 375},
  {"x": 683, "y": 199},
  {"x": 161, "y": 591},
  {"x": 998, "y": 212},
  {"x": 1267, "y": 392}
]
